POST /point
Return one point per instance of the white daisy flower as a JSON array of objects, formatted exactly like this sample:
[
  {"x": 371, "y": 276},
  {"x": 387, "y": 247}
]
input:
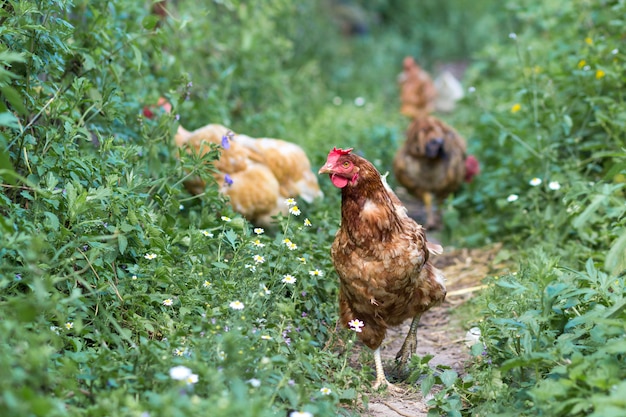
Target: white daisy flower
[
  {"x": 289, "y": 279},
  {"x": 180, "y": 373},
  {"x": 554, "y": 185},
  {"x": 356, "y": 325}
]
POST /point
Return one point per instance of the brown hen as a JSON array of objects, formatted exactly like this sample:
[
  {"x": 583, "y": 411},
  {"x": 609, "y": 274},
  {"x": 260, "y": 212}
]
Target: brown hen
[
  {"x": 381, "y": 256},
  {"x": 432, "y": 162}
]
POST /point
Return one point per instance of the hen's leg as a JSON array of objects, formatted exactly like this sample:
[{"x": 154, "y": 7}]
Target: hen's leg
[
  {"x": 410, "y": 343},
  {"x": 381, "y": 380},
  {"x": 380, "y": 372},
  {"x": 430, "y": 212}
]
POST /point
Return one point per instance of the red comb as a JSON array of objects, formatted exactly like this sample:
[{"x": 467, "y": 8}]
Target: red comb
[{"x": 339, "y": 151}]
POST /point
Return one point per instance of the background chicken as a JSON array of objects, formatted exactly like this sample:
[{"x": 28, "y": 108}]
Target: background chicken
[
  {"x": 256, "y": 174},
  {"x": 432, "y": 162},
  {"x": 449, "y": 91},
  {"x": 417, "y": 90},
  {"x": 381, "y": 257}
]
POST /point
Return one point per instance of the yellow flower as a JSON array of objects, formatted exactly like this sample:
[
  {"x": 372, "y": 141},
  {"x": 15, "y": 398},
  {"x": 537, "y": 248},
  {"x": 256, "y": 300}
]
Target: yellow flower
[
  {"x": 600, "y": 74},
  {"x": 588, "y": 41},
  {"x": 582, "y": 63},
  {"x": 516, "y": 107}
]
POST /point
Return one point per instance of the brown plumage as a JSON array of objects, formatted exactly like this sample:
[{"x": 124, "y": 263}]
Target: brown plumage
[
  {"x": 256, "y": 174},
  {"x": 417, "y": 90},
  {"x": 381, "y": 256},
  {"x": 432, "y": 162}
]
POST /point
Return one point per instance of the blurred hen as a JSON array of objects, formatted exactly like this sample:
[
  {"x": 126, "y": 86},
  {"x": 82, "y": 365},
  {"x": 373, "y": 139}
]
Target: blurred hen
[
  {"x": 417, "y": 90},
  {"x": 257, "y": 175},
  {"x": 432, "y": 163}
]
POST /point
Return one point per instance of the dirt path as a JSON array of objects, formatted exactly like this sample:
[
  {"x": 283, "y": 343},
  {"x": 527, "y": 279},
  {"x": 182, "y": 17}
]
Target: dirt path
[{"x": 437, "y": 335}]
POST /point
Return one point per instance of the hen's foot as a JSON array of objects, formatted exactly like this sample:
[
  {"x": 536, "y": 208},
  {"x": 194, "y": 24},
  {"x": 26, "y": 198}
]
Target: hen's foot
[
  {"x": 382, "y": 382},
  {"x": 406, "y": 351}
]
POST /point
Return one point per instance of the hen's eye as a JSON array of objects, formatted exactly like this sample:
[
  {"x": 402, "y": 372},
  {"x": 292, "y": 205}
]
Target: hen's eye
[{"x": 346, "y": 164}]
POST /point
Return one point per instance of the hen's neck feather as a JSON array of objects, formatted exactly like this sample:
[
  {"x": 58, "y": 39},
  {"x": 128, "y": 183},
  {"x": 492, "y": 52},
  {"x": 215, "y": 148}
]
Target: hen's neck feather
[{"x": 367, "y": 209}]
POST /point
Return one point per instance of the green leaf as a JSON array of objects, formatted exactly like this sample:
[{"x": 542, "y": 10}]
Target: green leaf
[
  {"x": 231, "y": 237},
  {"x": 150, "y": 21},
  {"x": 122, "y": 243},
  {"x": 616, "y": 258},
  {"x": 348, "y": 394},
  {"x": 448, "y": 378},
  {"x": 52, "y": 221},
  {"x": 7, "y": 119},
  {"x": 427, "y": 384},
  {"x": 13, "y": 97},
  {"x": 138, "y": 57},
  {"x": 220, "y": 265},
  {"x": 584, "y": 217}
]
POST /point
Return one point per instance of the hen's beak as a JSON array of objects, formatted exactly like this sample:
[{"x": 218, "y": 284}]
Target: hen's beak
[{"x": 326, "y": 169}]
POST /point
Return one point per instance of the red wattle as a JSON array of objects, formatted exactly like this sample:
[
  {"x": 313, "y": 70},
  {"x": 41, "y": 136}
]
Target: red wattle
[{"x": 338, "y": 181}]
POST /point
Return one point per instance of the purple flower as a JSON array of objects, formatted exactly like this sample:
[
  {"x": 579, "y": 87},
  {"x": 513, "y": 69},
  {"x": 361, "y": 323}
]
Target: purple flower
[
  {"x": 304, "y": 314},
  {"x": 227, "y": 179},
  {"x": 303, "y": 293},
  {"x": 189, "y": 84},
  {"x": 177, "y": 117},
  {"x": 18, "y": 277},
  {"x": 225, "y": 142}
]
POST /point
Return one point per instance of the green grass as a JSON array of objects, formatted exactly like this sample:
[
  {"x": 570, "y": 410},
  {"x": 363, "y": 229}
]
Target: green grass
[{"x": 91, "y": 189}]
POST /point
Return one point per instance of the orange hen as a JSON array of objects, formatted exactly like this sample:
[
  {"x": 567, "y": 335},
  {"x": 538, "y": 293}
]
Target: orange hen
[
  {"x": 382, "y": 258},
  {"x": 256, "y": 174},
  {"x": 417, "y": 90}
]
